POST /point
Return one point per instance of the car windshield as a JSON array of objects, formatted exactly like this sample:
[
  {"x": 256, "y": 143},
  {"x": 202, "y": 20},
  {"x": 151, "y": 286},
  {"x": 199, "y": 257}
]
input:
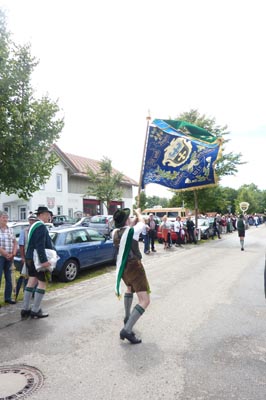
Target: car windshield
[
  {"x": 98, "y": 219},
  {"x": 53, "y": 236},
  {"x": 94, "y": 235},
  {"x": 203, "y": 223}
]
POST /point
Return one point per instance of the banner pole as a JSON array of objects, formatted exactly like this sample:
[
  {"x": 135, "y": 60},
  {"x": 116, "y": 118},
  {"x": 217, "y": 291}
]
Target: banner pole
[{"x": 148, "y": 118}]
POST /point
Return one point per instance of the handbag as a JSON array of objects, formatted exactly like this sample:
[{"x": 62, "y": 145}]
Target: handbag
[
  {"x": 24, "y": 271},
  {"x": 52, "y": 257}
]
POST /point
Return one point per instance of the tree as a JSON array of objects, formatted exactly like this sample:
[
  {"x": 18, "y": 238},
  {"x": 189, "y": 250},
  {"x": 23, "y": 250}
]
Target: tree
[
  {"x": 106, "y": 183},
  {"x": 141, "y": 201},
  {"x": 227, "y": 164},
  {"x": 216, "y": 199},
  {"x": 210, "y": 199},
  {"x": 150, "y": 201},
  {"x": 252, "y": 195},
  {"x": 28, "y": 127}
]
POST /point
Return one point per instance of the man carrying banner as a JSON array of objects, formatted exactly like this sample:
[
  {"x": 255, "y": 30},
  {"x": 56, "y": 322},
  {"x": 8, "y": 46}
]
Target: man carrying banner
[{"x": 130, "y": 269}]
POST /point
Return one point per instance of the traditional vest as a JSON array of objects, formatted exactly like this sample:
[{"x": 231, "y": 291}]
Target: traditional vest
[{"x": 134, "y": 252}]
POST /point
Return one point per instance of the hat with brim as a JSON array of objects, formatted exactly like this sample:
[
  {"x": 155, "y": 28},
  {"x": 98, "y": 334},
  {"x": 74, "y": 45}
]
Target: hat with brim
[
  {"x": 32, "y": 216},
  {"x": 42, "y": 210},
  {"x": 120, "y": 217}
]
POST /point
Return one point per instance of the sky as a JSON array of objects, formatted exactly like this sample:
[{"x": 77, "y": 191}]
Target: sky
[{"x": 111, "y": 63}]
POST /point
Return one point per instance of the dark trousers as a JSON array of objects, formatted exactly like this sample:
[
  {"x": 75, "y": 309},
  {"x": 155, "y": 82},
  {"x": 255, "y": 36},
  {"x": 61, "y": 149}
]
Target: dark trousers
[
  {"x": 216, "y": 230},
  {"x": 152, "y": 233},
  {"x": 178, "y": 236},
  {"x": 5, "y": 267},
  {"x": 192, "y": 237}
]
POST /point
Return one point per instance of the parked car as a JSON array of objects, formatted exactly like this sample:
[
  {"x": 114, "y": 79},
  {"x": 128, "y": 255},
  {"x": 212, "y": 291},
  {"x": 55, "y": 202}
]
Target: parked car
[
  {"x": 184, "y": 237},
  {"x": 79, "y": 248},
  {"x": 62, "y": 220},
  {"x": 102, "y": 223},
  {"x": 205, "y": 227},
  {"x": 84, "y": 221},
  {"x": 19, "y": 226}
]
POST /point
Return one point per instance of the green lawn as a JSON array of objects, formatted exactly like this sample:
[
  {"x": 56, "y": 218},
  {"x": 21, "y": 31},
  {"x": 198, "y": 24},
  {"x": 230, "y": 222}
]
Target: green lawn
[{"x": 55, "y": 284}]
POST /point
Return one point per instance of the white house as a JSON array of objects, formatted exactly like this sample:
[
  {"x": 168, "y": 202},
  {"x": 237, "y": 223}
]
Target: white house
[{"x": 65, "y": 191}]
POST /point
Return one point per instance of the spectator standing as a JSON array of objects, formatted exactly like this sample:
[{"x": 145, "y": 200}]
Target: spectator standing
[
  {"x": 8, "y": 250},
  {"x": 223, "y": 224},
  {"x": 191, "y": 230},
  {"x": 256, "y": 220},
  {"x": 250, "y": 220},
  {"x": 146, "y": 239},
  {"x": 166, "y": 229},
  {"x": 178, "y": 226},
  {"x": 234, "y": 221},
  {"x": 39, "y": 240},
  {"x": 229, "y": 224},
  {"x": 152, "y": 231},
  {"x": 241, "y": 230},
  {"x": 216, "y": 228}
]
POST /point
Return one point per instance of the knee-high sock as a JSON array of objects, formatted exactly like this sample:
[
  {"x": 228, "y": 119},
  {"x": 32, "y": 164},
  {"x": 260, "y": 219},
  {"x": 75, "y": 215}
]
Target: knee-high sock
[
  {"x": 134, "y": 316},
  {"x": 27, "y": 297},
  {"x": 128, "y": 299},
  {"x": 38, "y": 296},
  {"x": 242, "y": 243}
]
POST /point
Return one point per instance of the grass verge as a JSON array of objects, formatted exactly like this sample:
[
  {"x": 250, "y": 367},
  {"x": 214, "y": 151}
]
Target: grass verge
[{"x": 56, "y": 284}]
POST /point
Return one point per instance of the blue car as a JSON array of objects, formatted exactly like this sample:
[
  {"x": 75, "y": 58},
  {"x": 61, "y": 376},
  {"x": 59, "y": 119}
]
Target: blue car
[{"x": 78, "y": 248}]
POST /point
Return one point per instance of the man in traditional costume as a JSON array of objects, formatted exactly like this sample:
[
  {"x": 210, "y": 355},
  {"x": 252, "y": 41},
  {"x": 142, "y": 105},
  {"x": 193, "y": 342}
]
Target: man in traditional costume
[
  {"x": 39, "y": 240},
  {"x": 130, "y": 269},
  {"x": 241, "y": 230}
]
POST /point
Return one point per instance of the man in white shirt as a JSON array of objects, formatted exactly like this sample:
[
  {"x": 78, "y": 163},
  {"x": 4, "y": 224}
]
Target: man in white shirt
[{"x": 178, "y": 225}]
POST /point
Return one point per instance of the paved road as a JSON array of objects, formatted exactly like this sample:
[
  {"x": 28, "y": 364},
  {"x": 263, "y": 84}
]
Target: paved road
[{"x": 203, "y": 334}]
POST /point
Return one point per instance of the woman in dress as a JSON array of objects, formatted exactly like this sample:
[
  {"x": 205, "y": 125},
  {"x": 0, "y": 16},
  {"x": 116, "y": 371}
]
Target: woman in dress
[{"x": 166, "y": 228}]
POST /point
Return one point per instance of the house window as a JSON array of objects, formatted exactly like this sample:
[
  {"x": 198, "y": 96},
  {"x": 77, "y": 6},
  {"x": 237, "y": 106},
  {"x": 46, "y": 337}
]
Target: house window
[
  {"x": 22, "y": 211},
  {"x": 7, "y": 210},
  {"x": 59, "y": 182},
  {"x": 59, "y": 210}
]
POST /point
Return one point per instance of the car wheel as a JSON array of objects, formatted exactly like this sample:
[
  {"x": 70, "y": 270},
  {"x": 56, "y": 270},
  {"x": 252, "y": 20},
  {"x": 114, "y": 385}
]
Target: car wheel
[{"x": 69, "y": 271}]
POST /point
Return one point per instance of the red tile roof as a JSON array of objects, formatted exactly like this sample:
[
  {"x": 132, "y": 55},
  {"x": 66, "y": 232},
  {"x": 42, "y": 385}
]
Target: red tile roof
[{"x": 80, "y": 165}]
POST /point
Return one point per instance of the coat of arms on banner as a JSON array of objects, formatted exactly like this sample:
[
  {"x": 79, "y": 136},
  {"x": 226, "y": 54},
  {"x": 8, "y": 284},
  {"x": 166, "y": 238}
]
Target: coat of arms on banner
[
  {"x": 180, "y": 160},
  {"x": 177, "y": 153}
]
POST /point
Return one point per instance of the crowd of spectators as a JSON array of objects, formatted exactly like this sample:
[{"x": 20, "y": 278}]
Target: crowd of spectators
[{"x": 185, "y": 231}]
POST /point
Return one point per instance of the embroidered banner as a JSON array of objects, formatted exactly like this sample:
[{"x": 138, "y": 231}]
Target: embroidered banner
[{"x": 180, "y": 160}]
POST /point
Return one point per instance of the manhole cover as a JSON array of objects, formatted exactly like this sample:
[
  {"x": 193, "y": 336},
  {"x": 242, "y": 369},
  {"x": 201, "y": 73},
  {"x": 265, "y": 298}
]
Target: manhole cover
[{"x": 19, "y": 381}]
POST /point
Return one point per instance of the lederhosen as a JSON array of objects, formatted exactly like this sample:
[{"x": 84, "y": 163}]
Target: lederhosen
[
  {"x": 241, "y": 228},
  {"x": 134, "y": 274}
]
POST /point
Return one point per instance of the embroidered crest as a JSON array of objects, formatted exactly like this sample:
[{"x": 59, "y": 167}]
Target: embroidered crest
[{"x": 177, "y": 153}]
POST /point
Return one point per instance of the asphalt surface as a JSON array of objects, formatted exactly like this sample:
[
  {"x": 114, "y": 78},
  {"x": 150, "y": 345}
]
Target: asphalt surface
[{"x": 203, "y": 333}]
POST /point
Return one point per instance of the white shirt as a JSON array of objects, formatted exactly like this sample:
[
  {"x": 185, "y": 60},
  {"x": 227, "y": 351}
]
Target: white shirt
[{"x": 178, "y": 226}]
